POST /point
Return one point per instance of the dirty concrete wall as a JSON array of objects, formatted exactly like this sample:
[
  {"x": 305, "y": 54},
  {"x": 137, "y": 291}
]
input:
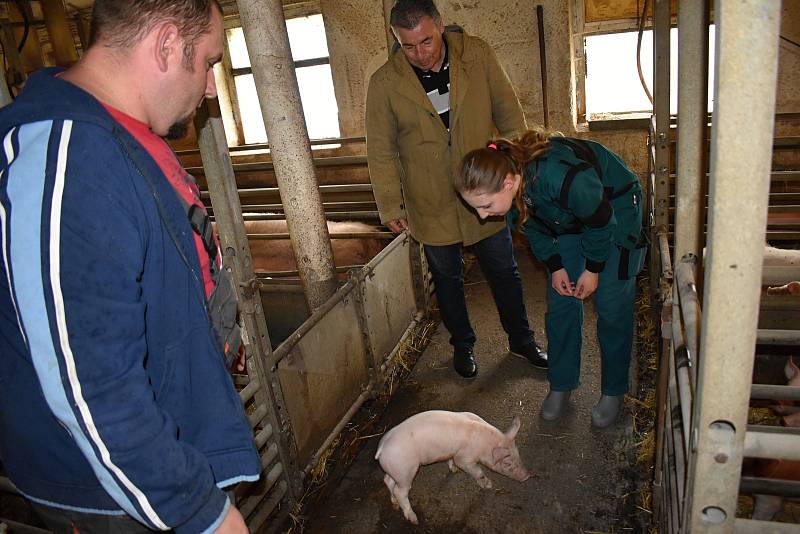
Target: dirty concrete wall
[
  {"x": 357, "y": 47},
  {"x": 788, "y": 97}
]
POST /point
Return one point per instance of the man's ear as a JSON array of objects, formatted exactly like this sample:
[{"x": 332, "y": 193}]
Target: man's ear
[{"x": 167, "y": 45}]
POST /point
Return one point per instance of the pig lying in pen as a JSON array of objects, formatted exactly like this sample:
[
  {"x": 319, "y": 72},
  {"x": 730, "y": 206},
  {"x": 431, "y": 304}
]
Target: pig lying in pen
[
  {"x": 277, "y": 255},
  {"x": 463, "y": 439}
]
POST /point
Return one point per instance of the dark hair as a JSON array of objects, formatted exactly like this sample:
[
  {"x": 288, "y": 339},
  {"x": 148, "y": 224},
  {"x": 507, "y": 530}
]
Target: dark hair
[
  {"x": 406, "y": 14},
  {"x": 483, "y": 170},
  {"x": 124, "y": 23}
]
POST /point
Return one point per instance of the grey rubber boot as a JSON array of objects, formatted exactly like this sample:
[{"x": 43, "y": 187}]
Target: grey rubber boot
[
  {"x": 606, "y": 410},
  {"x": 554, "y": 405}
]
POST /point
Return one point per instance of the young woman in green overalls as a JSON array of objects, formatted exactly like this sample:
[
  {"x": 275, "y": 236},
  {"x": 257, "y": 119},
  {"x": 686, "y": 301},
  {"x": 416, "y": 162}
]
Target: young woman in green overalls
[{"x": 580, "y": 207}]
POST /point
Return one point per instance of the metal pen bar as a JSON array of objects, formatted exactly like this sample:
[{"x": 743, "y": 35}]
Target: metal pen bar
[
  {"x": 770, "y": 486},
  {"x": 775, "y": 392},
  {"x": 331, "y": 216},
  {"x": 778, "y": 337},
  {"x": 347, "y": 235},
  {"x": 339, "y": 426},
  {"x": 752, "y": 526},
  {"x": 256, "y": 166},
  {"x": 324, "y": 189},
  {"x": 265, "y": 146},
  {"x": 780, "y": 442}
]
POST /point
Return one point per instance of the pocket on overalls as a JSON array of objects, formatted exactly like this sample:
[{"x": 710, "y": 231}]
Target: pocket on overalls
[{"x": 631, "y": 261}]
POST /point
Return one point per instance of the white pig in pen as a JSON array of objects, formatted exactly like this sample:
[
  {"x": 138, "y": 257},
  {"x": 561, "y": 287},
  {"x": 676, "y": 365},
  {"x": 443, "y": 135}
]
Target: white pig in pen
[{"x": 464, "y": 439}]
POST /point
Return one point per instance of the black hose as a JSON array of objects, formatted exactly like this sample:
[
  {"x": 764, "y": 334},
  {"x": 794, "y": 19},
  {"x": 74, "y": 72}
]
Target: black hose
[
  {"x": 639, "y": 52},
  {"x": 27, "y": 22}
]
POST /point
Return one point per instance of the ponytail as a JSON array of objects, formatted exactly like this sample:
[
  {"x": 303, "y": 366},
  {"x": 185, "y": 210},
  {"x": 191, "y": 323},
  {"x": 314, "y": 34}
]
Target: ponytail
[{"x": 485, "y": 169}]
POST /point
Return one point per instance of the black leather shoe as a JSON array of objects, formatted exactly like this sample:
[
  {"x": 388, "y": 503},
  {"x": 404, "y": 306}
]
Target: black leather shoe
[
  {"x": 532, "y": 353},
  {"x": 464, "y": 361}
]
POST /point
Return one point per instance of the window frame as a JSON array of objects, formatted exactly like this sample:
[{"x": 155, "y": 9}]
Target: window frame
[
  {"x": 230, "y": 74},
  {"x": 580, "y": 30}
]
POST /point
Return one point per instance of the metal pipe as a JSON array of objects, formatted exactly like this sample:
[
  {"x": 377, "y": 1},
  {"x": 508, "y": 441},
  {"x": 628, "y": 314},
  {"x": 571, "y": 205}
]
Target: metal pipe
[
  {"x": 661, "y": 63},
  {"x": 365, "y": 394},
  {"x": 262, "y": 147},
  {"x": 692, "y": 119},
  {"x": 332, "y": 216},
  {"x": 348, "y": 235},
  {"x": 661, "y": 393},
  {"x": 772, "y": 442},
  {"x": 289, "y": 343},
  {"x": 775, "y": 392},
  {"x": 329, "y": 161},
  {"x": 55, "y": 18},
  {"x": 773, "y": 275},
  {"x": 286, "y": 274},
  {"x": 328, "y": 206},
  {"x": 324, "y": 189},
  {"x": 542, "y": 63},
  {"x": 414, "y": 324},
  {"x": 663, "y": 247},
  {"x": 778, "y": 337},
  {"x": 238, "y": 262},
  {"x": 276, "y": 84},
  {"x": 690, "y": 304},
  {"x": 752, "y": 526},
  {"x": 770, "y": 486},
  {"x": 681, "y": 364},
  {"x": 745, "y": 81},
  {"x": 255, "y": 524}
]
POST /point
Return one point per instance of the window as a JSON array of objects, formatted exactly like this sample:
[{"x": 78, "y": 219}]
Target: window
[
  {"x": 612, "y": 78},
  {"x": 312, "y": 65}
]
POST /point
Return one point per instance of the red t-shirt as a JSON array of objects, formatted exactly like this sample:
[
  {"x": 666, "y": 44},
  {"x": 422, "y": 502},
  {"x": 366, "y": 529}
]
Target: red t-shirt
[{"x": 183, "y": 182}]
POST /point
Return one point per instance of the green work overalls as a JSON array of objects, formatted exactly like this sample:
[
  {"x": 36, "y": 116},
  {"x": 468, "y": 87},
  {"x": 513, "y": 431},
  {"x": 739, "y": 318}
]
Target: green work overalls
[{"x": 584, "y": 213}]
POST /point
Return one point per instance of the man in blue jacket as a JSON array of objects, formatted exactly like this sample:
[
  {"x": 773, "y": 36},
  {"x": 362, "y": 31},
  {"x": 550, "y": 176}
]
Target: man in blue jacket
[{"x": 117, "y": 410}]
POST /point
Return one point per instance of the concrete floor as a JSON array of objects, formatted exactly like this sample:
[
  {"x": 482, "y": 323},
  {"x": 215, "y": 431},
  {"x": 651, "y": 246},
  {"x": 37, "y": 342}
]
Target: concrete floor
[{"x": 583, "y": 477}]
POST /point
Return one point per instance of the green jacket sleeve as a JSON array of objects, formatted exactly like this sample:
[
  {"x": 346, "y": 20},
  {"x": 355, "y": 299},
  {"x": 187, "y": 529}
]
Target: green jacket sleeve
[
  {"x": 544, "y": 246},
  {"x": 383, "y": 157},
  {"x": 506, "y": 109},
  {"x": 589, "y": 204}
]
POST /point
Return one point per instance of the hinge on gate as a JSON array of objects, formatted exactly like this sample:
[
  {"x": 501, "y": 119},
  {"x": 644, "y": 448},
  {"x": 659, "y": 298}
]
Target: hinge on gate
[{"x": 250, "y": 287}]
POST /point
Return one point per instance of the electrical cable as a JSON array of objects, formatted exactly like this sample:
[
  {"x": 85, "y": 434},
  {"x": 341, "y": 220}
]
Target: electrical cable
[
  {"x": 639, "y": 53},
  {"x": 27, "y": 22},
  {"x": 790, "y": 41}
]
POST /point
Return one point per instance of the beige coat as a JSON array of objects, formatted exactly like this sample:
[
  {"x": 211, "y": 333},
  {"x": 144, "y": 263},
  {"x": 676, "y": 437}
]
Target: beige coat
[{"x": 412, "y": 157}]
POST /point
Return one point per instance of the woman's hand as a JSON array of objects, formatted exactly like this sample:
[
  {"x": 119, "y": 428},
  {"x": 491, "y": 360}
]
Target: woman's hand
[
  {"x": 561, "y": 283},
  {"x": 587, "y": 283}
]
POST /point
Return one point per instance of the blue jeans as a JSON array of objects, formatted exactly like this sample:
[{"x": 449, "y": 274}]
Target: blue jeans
[{"x": 496, "y": 257}]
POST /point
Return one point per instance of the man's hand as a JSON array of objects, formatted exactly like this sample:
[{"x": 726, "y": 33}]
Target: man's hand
[
  {"x": 561, "y": 283},
  {"x": 233, "y": 523},
  {"x": 587, "y": 283},
  {"x": 397, "y": 225}
]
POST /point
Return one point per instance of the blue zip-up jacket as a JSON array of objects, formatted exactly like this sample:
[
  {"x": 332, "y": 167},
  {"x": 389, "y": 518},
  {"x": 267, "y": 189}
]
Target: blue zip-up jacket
[{"x": 114, "y": 395}]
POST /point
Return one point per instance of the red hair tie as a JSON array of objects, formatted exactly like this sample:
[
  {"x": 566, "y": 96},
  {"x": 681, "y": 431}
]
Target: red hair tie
[{"x": 492, "y": 146}]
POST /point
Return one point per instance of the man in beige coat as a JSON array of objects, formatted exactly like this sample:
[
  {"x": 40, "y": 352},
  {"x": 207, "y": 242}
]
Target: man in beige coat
[{"x": 441, "y": 94}]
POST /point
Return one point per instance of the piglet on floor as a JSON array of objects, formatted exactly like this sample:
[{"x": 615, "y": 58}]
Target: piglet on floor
[{"x": 462, "y": 438}]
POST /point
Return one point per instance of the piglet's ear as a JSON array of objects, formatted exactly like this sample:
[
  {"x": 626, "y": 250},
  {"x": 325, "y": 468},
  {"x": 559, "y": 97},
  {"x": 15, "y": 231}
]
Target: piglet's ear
[
  {"x": 499, "y": 454},
  {"x": 515, "y": 424},
  {"x": 791, "y": 371}
]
